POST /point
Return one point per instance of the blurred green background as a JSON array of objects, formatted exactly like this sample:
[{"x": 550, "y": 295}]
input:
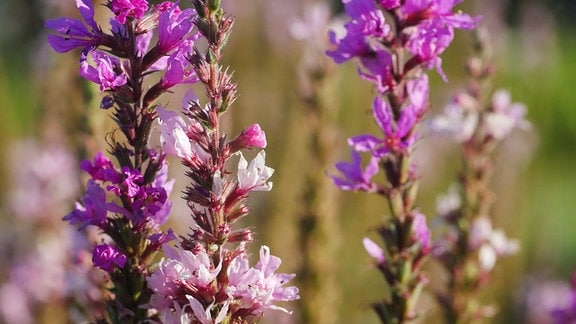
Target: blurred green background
[{"x": 534, "y": 47}]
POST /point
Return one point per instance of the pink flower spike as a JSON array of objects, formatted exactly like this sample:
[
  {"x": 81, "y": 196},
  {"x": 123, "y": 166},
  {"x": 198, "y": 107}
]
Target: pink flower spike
[{"x": 173, "y": 134}]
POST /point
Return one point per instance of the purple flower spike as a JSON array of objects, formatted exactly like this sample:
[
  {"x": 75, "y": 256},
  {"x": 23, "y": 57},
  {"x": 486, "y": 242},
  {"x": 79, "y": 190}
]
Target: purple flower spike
[
  {"x": 354, "y": 178},
  {"x": 128, "y": 8},
  {"x": 107, "y": 257},
  {"x": 108, "y": 73},
  {"x": 73, "y": 32}
]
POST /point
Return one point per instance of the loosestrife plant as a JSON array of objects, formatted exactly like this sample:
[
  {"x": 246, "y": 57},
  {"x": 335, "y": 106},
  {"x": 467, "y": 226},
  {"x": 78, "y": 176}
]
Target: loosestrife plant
[
  {"x": 471, "y": 246},
  {"x": 206, "y": 278},
  {"x": 395, "y": 43}
]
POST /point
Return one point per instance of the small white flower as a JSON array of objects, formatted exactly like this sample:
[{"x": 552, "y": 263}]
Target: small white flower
[{"x": 253, "y": 176}]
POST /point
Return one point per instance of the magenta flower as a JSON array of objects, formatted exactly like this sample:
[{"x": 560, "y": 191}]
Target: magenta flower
[
  {"x": 173, "y": 25},
  {"x": 397, "y": 136},
  {"x": 108, "y": 73},
  {"x": 92, "y": 210},
  {"x": 101, "y": 169},
  {"x": 354, "y": 177},
  {"x": 256, "y": 289},
  {"x": 251, "y": 137},
  {"x": 107, "y": 257},
  {"x": 72, "y": 32},
  {"x": 367, "y": 21},
  {"x": 128, "y": 8},
  {"x": 179, "y": 70}
]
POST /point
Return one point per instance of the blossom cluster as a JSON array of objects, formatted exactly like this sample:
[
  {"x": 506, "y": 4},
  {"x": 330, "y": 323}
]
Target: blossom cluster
[
  {"x": 148, "y": 51},
  {"x": 395, "y": 42}
]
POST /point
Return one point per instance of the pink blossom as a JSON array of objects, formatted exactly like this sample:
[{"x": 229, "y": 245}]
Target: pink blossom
[
  {"x": 374, "y": 250},
  {"x": 259, "y": 287},
  {"x": 108, "y": 73},
  {"x": 251, "y": 137},
  {"x": 173, "y": 134},
  {"x": 505, "y": 116},
  {"x": 128, "y": 8},
  {"x": 73, "y": 32}
]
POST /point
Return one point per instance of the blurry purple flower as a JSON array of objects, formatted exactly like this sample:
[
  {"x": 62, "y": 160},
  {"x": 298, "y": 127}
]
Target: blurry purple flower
[
  {"x": 73, "y": 32},
  {"x": 251, "y": 137},
  {"x": 109, "y": 73},
  {"x": 107, "y": 257},
  {"x": 354, "y": 177},
  {"x": 253, "y": 176},
  {"x": 256, "y": 289},
  {"x": 421, "y": 232},
  {"x": 173, "y": 26},
  {"x": 92, "y": 210},
  {"x": 389, "y": 4},
  {"x": 128, "y": 8},
  {"x": 567, "y": 313},
  {"x": 44, "y": 179},
  {"x": 397, "y": 136}
]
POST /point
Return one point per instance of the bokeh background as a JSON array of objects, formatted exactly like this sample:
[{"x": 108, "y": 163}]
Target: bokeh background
[{"x": 49, "y": 121}]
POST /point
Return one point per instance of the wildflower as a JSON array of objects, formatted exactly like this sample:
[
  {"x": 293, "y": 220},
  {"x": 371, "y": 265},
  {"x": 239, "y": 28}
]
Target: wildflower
[
  {"x": 253, "y": 176},
  {"x": 251, "y": 137},
  {"x": 504, "y": 116},
  {"x": 128, "y": 8},
  {"x": 259, "y": 287},
  {"x": 107, "y": 257},
  {"x": 398, "y": 137},
  {"x": 173, "y": 25},
  {"x": 73, "y": 32},
  {"x": 109, "y": 73},
  {"x": 173, "y": 134},
  {"x": 354, "y": 177}
]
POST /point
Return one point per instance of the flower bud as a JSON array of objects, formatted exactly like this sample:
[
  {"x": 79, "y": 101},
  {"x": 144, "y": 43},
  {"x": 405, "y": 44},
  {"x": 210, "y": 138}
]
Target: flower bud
[{"x": 251, "y": 137}]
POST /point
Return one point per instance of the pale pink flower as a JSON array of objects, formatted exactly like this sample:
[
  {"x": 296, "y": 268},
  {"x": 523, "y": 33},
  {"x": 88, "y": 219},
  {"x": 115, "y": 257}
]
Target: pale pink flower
[
  {"x": 257, "y": 288},
  {"x": 173, "y": 134},
  {"x": 505, "y": 115},
  {"x": 254, "y": 176}
]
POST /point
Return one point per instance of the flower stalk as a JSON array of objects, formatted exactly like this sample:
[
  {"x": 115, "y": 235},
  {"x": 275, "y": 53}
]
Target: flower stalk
[
  {"x": 395, "y": 41},
  {"x": 471, "y": 246}
]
